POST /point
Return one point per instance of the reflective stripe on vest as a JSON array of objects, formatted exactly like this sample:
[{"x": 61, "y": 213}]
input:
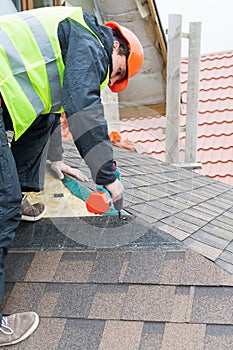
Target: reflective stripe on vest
[{"x": 31, "y": 73}]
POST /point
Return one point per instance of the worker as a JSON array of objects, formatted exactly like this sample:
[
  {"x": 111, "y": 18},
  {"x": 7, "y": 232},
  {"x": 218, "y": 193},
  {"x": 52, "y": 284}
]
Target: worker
[
  {"x": 52, "y": 60},
  {"x": 34, "y": 212}
]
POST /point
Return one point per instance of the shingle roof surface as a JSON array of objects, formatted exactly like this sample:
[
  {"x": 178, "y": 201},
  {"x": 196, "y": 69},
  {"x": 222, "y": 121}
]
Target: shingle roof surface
[
  {"x": 215, "y": 120},
  {"x": 165, "y": 290}
]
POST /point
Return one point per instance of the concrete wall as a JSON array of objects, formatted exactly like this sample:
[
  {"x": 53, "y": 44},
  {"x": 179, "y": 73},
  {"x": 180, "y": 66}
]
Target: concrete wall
[{"x": 147, "y": 87}]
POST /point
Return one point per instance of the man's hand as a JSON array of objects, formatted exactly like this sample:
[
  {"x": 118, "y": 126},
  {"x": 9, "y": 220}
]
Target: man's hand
[
  {"x": 116, "y": 189},
  {"x": 59, "y": 168}
]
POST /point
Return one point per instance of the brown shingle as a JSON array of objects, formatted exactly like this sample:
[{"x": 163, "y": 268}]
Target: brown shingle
[
  {"x": 212, "y": 305},
  {"x": 108, "y": 302},
  {"x": 47, "y": 335},
  {"x": 145, "y": 267},
  {"x": 75, "y": 267},
  {"x": 152, "y": 336},
  {"x": 43, "y": 266},
  {"x": 219, "y": 337},
  {"x": 149, "y": 303},
  {"x": 183, "y": 336},
  {"x": 81, "y": 335},
  {"x": 107, "y": 267},
  {"x": 119, "y": 335},
  {"x": 24, "y": 297}
]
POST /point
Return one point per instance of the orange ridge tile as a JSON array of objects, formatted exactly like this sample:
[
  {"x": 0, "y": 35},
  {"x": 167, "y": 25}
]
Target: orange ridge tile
[
  {"x": 213, "y": 148},
  {"x": 203, "y": 90},
  {"x": 141, "y": 129},
  {"x": 217, "y": 55},
  {"x": 208, "y": 78}
]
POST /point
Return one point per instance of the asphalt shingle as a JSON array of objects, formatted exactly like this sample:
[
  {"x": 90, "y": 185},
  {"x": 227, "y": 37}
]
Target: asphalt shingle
[{"x": 168, "y": 283}]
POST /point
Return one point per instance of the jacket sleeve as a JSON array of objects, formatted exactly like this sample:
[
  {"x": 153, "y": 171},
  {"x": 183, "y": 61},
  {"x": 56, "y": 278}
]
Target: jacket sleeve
[{"x": 86, "y": 65}]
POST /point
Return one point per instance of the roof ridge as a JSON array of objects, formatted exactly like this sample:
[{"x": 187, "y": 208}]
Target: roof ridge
[
  {"x": 217, "y": 135},
  {"x": 208, "y": 111},
  {"x": 221, "y": 176},
  {"x": 147, "y": 140},
  {"x": 141, "y": 118},
  {"x": 211, "y": 56},
  {"x": 153, "y": 152},
  {"x": 217, "y": 99},
  {"x": 217, "y": 88},
  {"x": 214, "y": 148},
  {"x": 141, "y": 129},
  {"x": 216, "y": 78},
  {"x": 208, "y": 137},
  {"x": 208, "y": 79},
  {"x": 216, "y": 122},
  {"x": 210, "y": 69},
  {"x": 219, "y": 161},
  {"x": 216, "y": 110},
  {"x": 214, "y": 67}
]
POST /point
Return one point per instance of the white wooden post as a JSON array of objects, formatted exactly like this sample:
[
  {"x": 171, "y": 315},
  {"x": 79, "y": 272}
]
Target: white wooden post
[
  {"x": 193, "y": 91},
  {"x": 173, "y": 88}
]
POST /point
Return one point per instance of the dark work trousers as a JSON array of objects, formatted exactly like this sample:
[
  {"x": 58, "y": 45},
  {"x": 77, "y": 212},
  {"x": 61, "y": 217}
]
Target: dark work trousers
[
  {"x": 30, "y": 152},
  {"x": 22, "y": 168},
  {"x": 10, "y": 201}
]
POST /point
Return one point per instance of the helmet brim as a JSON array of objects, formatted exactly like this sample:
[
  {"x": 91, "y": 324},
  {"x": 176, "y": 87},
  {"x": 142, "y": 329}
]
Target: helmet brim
[{"x": 119, "y": 86}]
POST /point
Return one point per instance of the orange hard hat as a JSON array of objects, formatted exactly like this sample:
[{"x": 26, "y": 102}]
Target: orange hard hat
[{"x": 135, "y": 59}]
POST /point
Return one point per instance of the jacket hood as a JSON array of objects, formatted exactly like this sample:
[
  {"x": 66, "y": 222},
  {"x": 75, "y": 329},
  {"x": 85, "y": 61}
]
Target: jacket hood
[{"x": 103, "y": 32}]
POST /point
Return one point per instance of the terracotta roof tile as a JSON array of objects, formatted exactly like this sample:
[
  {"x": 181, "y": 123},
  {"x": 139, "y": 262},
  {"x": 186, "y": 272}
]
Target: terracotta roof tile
[
  {"x": 215, "y": 120},
  {"x": 209, "y": 96},
  {"x": 224, "y": 82}
]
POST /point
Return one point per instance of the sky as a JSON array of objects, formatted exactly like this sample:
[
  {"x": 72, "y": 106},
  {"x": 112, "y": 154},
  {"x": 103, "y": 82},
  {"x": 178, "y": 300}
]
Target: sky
[{"x": 216, "y": 17}]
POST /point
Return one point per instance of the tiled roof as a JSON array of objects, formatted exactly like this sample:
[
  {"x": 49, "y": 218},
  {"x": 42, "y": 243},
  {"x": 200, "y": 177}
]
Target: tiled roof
[{"x": 215, "y": 120}]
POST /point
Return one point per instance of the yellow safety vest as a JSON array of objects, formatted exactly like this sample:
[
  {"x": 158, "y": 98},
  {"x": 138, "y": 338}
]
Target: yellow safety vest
[{"x": 31, "y": 66}]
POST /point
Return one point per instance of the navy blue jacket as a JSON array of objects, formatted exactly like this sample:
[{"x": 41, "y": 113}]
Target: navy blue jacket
[{"x": 86, "y": 66}]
